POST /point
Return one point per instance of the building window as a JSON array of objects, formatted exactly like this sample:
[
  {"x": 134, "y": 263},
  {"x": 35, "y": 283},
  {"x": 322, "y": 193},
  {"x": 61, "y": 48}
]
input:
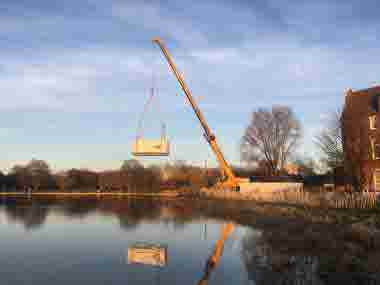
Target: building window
[
  {"x": 377, "y": 151},
  {"x": 372, "y": 122},
  {"x": 375, "y": 145},
  {"x": 376, "y": 179}
]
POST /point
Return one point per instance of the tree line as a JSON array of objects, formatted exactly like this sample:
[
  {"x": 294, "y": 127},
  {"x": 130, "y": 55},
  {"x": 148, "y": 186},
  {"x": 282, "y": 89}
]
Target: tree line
[{"x": 132, "y": 176}]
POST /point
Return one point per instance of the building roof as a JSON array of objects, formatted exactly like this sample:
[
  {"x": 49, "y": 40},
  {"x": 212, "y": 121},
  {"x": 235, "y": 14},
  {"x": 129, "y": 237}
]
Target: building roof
[
  {"x": 374, "y": 89},
  {"x": 364, "y": 100}
]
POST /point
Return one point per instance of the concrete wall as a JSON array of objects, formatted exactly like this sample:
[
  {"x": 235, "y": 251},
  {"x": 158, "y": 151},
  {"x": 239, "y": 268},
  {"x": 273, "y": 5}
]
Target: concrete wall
[
  {"x": 263, "y": 191},
  {"x": 268, "y": 187},
  {"x": 293, "y": 194}
]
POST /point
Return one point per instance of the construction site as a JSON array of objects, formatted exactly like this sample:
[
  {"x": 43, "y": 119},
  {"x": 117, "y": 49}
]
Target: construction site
[{"x": 160, "y": 148}]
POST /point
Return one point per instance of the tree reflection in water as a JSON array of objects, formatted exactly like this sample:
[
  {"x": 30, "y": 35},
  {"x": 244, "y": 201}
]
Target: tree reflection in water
[
  {"x": 268, "y": 266},
  {"x": 32, "y": 213}
]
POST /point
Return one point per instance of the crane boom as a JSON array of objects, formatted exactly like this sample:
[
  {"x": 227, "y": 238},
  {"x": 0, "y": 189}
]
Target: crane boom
[{"x": 225, "y": 168}]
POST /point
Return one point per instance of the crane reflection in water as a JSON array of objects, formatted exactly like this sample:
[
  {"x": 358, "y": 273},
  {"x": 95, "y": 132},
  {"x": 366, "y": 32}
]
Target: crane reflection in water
[
  {"x": 214, "y": 259},
  {"x": 157, "y": 255}
]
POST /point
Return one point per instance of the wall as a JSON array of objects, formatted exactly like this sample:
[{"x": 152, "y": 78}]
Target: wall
[
  {"x": 266, "y": 187},
  {"x": 359, "y": 105}
]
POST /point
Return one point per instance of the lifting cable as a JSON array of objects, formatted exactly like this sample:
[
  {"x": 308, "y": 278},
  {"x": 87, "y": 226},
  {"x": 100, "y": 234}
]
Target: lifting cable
[
  {"x": 148, "y": 103},
  {"x": 142, "y": 116},
  {"x": 139, "y": 133}
]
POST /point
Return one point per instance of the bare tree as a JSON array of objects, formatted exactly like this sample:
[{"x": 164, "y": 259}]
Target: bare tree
[
  {"x": 330, "y": 141},
  {"x": 271, "y": 136},
  {"x": 130, "y": 165},
  {"x": 21, "y": 177},
  {"x": 343, "y": 143},
  {"x": 35, "y": 174},
  {"x": 40, "y": 173}
]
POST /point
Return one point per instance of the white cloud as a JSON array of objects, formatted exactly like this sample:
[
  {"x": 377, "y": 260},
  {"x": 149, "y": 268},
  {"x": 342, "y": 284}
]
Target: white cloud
[
  {"x": 154, "y": 19},
  {"x": 72, "y": 80}
]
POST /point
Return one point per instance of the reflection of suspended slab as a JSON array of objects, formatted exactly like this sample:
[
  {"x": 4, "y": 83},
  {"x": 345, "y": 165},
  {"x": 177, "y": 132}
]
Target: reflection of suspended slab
[
  {"x": 152, "y": 148},
  {"x": 148, "y": 254}
]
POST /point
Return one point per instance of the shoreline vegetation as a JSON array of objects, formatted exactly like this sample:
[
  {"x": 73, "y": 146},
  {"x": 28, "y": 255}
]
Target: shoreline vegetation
[
  {"x": 299, "y": 196},
  {"x": 295, "y": 196},
  {"x": 132, "y": 176}
]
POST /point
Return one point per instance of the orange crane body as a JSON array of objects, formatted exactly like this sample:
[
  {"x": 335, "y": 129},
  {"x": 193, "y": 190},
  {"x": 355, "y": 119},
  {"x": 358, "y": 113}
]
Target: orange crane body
[{"x": 230, "y": 181}]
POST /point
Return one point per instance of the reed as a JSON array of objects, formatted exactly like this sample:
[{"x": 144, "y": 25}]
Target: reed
[
  {"x": 316, "y": 198},
  {"x": 329, "y": 199}
]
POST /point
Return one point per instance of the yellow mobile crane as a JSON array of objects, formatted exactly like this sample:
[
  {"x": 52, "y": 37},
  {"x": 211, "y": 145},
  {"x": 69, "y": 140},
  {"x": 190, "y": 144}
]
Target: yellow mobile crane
[{"x": 229, "y": 179}]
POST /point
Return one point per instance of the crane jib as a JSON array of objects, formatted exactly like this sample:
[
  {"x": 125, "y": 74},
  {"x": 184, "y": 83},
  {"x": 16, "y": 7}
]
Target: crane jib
[{"x": 224, "y": 166}]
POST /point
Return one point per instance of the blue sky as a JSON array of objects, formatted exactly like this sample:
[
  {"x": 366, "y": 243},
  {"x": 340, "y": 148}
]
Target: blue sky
[{"x": 74, "y": 75}]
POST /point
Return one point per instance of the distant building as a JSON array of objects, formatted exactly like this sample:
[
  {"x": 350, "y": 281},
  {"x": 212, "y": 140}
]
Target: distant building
[{"x": 361, "y": 136}]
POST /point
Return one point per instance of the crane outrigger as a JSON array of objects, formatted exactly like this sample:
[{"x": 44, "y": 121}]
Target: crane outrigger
[{"x": 230, "y": 181}]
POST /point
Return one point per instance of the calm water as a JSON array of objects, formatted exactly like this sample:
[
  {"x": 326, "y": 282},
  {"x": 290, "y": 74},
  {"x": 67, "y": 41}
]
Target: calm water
[{"x": 87, "y": 242}]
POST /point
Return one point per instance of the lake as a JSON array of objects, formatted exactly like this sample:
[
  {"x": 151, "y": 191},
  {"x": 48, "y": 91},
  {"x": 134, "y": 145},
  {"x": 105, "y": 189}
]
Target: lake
[{"x": 138, "y": 241}]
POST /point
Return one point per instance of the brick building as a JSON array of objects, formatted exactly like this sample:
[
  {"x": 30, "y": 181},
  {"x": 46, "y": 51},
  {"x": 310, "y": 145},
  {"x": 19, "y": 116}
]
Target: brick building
[{"x": 361, "y": 138}]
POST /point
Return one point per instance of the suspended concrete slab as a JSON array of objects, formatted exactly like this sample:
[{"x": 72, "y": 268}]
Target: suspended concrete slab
[{"x": 151, "y": 148}]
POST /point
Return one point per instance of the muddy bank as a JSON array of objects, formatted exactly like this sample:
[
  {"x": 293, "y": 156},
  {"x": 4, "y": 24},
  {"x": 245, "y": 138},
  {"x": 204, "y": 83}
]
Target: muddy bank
[{"x": 346, "y": 243}]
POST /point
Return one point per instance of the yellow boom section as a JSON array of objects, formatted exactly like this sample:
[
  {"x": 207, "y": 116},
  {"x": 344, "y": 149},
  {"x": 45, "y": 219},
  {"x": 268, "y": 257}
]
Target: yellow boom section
[{"x": 226, "y": 170}]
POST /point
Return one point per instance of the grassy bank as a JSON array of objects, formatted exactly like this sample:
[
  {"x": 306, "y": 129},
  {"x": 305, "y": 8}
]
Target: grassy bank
[{"x": 299, "y": 197}]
